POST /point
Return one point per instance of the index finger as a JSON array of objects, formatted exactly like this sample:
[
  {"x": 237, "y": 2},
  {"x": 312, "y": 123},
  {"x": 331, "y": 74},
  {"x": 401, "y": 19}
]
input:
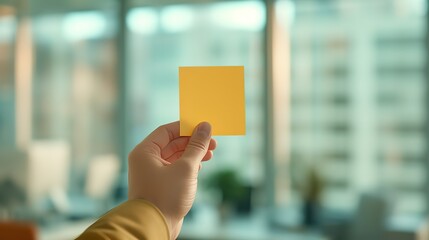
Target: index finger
[{"x": 161, "y": 136}]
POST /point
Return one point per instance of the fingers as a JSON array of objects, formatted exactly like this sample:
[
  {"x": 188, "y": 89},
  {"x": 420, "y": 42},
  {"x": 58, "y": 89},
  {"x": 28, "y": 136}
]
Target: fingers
[
  {"x": 179, "y": 145},
  {"x": 208, "y": 156},
  {"x": 149, "y": 150},
  {"x": 166, "y": 145},
  {"x": 198, "y": 144},
  {"x": 174, "y": 157},
  {"x": 160, "y": 138},
  {"x": 213, "y": 144},
  {"x": 177, "y": 155}
]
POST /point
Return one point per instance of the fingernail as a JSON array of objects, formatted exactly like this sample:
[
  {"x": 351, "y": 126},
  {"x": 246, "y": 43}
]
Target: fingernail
[{"x": 204, "y": 129}]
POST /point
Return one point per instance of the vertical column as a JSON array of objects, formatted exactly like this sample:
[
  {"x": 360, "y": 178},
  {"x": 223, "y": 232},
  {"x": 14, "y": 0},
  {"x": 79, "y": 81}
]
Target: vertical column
[
  {"x": 268, "y": 108},
  {"x": 281, "y": 107},
  {"x": 122, "y": 142},
  {"x": 23, "y": 77},
  {"x": 362, "y": 92},
  {"x": 426, "y": 70}
]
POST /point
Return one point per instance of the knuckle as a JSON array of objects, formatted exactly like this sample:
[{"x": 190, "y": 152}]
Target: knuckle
[
  {"x": 160, "y": 128},
  {"x": 198, "y": 145}
]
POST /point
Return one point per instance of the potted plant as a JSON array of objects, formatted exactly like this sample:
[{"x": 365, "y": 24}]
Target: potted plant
[{"x": 232, "y": 191}]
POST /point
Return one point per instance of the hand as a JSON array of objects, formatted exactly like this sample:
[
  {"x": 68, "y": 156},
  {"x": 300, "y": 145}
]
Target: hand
[{"x": 163, "y": 169}]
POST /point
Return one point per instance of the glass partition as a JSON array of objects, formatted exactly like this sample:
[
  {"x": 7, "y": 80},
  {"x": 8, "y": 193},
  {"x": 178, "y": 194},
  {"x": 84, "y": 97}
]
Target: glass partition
[
  {"x": 162, "y": 38},
  {"x": 347, "y": 117},
  {"x": 75, "y": 93},
  {"x": 58, "y": 105},
  {"x": 358, "y": 109},
  {"x": 75, "y": 81},
  {"x": 158, "y": 44}
]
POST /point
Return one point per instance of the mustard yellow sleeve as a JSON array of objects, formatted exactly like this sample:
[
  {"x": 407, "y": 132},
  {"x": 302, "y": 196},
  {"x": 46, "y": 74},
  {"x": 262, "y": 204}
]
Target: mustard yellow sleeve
[{"x": 134, "y": 219}]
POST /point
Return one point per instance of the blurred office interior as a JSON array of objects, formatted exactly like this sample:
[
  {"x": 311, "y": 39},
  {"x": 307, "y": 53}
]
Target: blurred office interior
[{"x": 336, "y": 111}]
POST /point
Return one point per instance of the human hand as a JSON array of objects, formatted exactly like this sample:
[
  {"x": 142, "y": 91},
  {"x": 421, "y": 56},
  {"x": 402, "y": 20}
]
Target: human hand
[{"x": 163, "y": 169}]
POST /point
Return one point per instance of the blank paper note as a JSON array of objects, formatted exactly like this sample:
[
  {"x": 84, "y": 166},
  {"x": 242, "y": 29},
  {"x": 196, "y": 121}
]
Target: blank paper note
[{"x": 212, "y": 94}]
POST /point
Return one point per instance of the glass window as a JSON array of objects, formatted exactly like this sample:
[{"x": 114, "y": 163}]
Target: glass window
[
  {"x": 73, "y": 101},
  {"x": 75, "y": 75},
  {"x": 158, "y": 44},
  {"x": 207, "y": 34},
  {"x": 344, "y": 114},
  {"x": 58, "y": 107},
  {"x": 357, "y": 100}
]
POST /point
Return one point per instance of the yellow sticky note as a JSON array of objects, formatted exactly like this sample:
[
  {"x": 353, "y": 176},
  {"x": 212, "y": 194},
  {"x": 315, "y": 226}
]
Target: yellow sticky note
[{"x": 215, "y": 95}]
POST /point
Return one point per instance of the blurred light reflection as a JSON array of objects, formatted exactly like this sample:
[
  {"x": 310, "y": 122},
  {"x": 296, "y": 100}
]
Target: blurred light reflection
[
  {"x": 177, "y": 18},
  {"x": 245, "y": 16},
  {"x": 84, "y": 25},
  {"x": 142, "y": 20}
]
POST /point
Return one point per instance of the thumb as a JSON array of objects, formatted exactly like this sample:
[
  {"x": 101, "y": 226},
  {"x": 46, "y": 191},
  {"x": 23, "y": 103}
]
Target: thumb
[{"x": 198, "y": 145}]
